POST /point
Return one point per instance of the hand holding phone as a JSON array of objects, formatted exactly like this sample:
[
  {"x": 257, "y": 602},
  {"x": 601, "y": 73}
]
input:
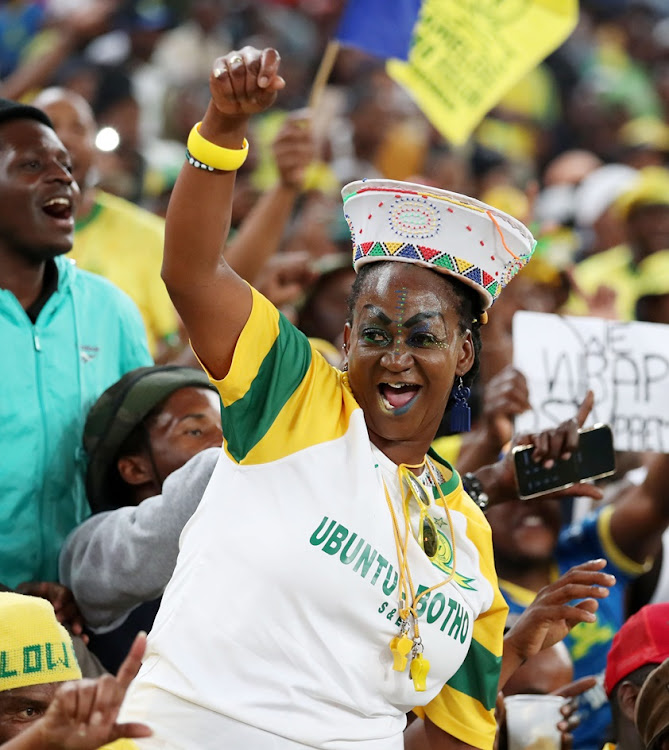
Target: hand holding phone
[
  {"x": 499, "y": 480},
  {"x": 593, "y": 459}
]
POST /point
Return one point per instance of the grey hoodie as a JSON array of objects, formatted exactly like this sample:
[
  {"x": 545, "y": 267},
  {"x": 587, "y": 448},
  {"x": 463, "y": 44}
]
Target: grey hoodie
[{"x": 115, "y": 561}]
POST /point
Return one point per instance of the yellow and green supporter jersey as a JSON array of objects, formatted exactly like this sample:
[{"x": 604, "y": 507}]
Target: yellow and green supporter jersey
[
  {"x": 274, "y": 631},
  {"x": 124, "y": 243}
]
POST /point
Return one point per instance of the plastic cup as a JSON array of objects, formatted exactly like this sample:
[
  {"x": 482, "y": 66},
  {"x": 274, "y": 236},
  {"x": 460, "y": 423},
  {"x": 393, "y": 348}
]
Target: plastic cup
[{"x": 531, "y": 721}]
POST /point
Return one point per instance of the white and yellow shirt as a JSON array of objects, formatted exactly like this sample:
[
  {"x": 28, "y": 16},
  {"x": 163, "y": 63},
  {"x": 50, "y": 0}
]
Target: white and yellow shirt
[{"x": 274, "y": 631}]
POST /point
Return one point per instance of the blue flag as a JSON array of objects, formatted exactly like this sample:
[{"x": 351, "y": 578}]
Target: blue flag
[
  {"x": 457, "y": 59},
  {"x": 383, "y": 28}
]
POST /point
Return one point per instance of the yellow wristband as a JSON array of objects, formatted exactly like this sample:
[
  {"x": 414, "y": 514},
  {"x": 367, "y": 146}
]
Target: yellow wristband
[{"x": 217, "y": 157}]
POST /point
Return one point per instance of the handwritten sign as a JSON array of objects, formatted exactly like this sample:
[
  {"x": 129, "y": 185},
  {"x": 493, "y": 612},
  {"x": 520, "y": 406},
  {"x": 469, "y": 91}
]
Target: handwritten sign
[
  {"x": 626, "y": 364},
  {"x": 466, "y": 54}
]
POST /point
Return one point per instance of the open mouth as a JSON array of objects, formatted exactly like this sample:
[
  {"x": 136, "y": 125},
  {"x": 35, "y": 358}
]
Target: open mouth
[
  {"x": 58, "y": 208},
  {"x": 398, "y": 395},
  {"x": 533, "y": 521},
  {"x": 536, "y": 522}
]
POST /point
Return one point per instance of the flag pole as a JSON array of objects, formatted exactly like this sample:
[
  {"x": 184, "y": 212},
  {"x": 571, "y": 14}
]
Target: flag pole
[{"x": 324, "y": 70}]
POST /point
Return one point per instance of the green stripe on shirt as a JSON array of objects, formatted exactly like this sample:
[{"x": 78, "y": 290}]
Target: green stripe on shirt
[
  {"x": 478, "y": 677},
  {"x": 247, "y": 420}
]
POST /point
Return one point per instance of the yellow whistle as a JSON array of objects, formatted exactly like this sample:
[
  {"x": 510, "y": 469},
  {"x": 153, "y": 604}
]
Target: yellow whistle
[
  {"x": 400, "y": 647},
  {"x": 418, "y": 670}
]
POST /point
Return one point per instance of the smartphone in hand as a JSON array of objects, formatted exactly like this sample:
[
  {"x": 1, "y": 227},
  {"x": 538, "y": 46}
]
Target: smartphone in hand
[{"x": 595, "y": 458}]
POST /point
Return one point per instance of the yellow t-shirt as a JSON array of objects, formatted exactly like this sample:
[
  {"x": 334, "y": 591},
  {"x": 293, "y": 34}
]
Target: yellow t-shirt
[
  {"x": 614, "y": 269},
  {"x": 124, "y": 243}
]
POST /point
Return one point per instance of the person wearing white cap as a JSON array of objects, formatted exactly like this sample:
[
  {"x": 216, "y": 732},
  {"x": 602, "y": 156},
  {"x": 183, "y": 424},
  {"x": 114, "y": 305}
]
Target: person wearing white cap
[
  {"x": 594, "y": 200},
  {"x": 335, "y": 574},
  {"x": 606, "y": 283}
]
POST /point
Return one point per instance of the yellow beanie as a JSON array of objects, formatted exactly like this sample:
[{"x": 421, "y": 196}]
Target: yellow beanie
[
  {"x": 34, "y": 647},
  {"x": 651, "y": 188}
]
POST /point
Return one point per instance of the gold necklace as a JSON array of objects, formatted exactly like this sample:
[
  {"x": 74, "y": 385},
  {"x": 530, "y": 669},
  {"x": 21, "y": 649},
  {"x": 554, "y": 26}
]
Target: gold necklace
[{"x": 402, "y": 646}]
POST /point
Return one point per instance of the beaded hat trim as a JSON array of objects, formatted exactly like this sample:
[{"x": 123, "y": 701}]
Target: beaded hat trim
[{"x": 451, "y": 233}]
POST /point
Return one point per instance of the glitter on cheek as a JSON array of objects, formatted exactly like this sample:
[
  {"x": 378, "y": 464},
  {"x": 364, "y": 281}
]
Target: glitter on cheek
[{"x": 436, "y": 343}]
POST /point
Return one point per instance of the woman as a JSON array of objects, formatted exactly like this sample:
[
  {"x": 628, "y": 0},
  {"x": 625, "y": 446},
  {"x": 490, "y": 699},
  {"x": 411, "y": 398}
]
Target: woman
[{"x": 341, "y": 576}]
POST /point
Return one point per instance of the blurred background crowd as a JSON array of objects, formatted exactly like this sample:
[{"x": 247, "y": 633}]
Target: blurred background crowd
[{"x": 578, "y": 150}]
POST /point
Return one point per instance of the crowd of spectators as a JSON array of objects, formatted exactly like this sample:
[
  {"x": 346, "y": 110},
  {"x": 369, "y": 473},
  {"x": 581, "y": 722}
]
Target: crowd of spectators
[{"x": 578, "y": 150}]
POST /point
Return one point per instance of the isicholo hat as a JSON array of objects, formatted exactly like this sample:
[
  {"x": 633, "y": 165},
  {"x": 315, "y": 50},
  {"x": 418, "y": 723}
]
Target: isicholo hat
[
  {"x": 35, "y": 648},
  {"x": 477, "y": 244},
  {"x": 117, "y": 412}
]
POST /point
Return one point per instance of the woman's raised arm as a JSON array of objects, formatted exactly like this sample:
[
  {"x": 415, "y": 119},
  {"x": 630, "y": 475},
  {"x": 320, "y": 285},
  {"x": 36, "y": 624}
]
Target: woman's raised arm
[{"x": 212, "y": 300}]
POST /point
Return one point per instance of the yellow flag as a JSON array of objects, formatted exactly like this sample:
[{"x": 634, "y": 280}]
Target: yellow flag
[{"x": 466, "y": 54}]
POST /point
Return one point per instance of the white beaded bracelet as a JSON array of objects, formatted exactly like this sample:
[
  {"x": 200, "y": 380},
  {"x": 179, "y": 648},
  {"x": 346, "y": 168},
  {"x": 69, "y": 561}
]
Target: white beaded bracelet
[{"x": 198, "y": 164}]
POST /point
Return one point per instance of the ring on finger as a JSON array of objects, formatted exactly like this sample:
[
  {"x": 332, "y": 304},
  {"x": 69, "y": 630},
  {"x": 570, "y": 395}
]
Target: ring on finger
[{"x": 236, "y": 60}]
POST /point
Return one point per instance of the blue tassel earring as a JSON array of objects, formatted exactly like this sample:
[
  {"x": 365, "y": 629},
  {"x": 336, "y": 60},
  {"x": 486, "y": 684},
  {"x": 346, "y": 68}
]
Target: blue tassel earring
[{"x": 461, "y": 414}]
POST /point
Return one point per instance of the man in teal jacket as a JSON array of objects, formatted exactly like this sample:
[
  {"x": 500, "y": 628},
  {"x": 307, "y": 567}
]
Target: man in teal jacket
[{"x": 66, "y": 335}]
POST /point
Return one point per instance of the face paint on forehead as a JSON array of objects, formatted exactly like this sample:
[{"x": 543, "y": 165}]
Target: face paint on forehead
[{"x": 401, "y": 301}]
